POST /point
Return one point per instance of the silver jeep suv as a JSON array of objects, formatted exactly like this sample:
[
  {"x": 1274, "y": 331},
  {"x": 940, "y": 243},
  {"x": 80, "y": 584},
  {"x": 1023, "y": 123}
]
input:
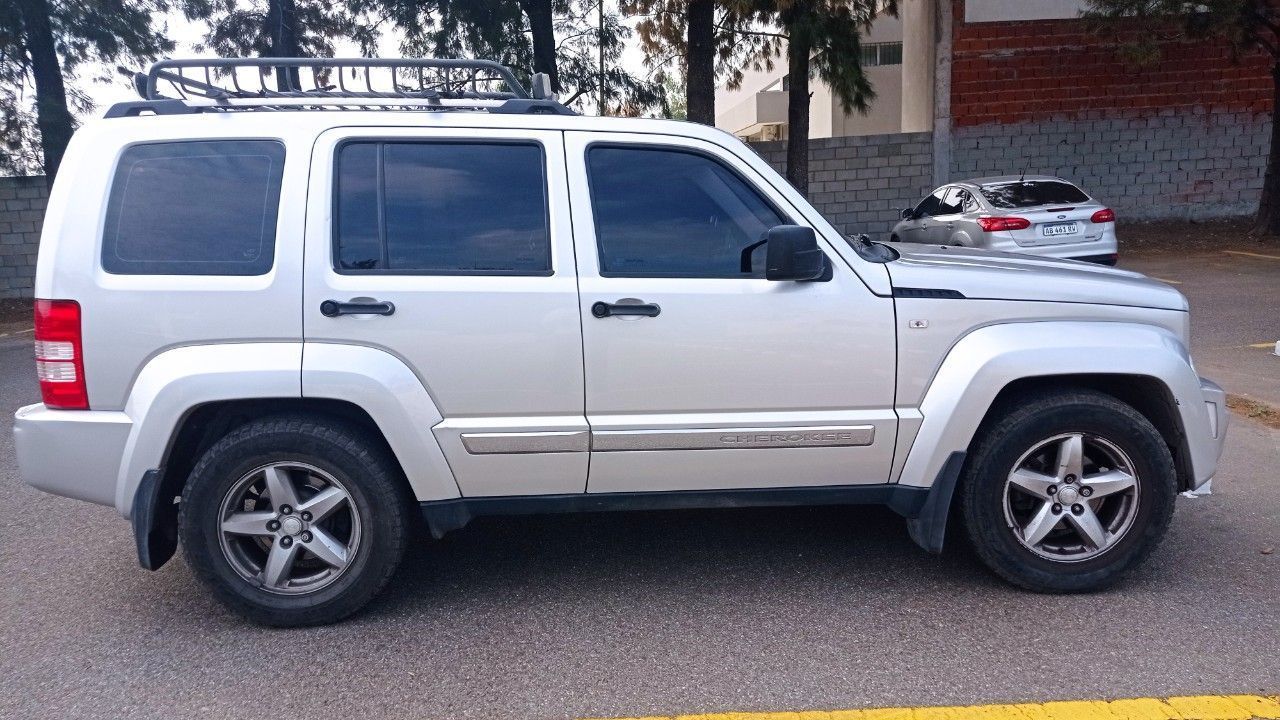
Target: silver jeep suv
[{"x": 284, "y": 330}]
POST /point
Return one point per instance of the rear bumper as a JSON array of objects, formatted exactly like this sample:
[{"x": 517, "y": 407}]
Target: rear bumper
[{"x": 73, "y": 453}]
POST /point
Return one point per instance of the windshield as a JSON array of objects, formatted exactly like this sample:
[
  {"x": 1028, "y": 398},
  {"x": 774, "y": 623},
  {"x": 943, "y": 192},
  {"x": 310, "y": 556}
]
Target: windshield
[{"x": 1032, "y": 193}]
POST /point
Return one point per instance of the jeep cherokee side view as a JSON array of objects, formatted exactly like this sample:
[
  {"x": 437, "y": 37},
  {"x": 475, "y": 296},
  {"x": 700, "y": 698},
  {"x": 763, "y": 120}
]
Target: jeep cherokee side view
[{"x": 286, "y": 338}]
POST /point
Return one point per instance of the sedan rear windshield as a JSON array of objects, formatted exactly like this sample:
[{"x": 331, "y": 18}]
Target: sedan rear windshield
[{"x": 1030, "y": 194}]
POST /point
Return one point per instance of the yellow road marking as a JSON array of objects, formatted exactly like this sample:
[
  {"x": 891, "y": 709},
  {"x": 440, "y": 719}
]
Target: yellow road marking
[
  {"x": 1171, "y": 282},
  {"x": 1251, "y": 254},
  {"x": 1199, "y": 707},
  {"x": 1264, "y": 346}
]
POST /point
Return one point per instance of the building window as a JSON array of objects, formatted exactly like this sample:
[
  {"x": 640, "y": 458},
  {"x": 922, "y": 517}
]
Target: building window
[{"x": 875, "y": 54}]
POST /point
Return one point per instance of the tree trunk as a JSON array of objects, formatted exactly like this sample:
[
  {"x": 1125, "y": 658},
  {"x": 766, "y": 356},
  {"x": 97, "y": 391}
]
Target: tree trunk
[
  {"x": 282, "y": 27},
  {"x": 700, "y": 75},
  {"x": 52, "y": 114},
  {"x": 798, "y": 108},
  {"x": 541, "y": 25},
  {"x": 1267, "y": 222}
]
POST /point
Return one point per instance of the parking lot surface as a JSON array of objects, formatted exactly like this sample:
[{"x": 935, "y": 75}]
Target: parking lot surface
[
  {"x": 666, "y": 613},
  {"x": 1235, "y": 313}
]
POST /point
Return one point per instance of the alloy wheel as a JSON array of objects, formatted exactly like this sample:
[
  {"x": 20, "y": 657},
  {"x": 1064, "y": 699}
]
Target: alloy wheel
[
  {"x": 289, "y": 528},
  {"x": 1071, "y": 497}
]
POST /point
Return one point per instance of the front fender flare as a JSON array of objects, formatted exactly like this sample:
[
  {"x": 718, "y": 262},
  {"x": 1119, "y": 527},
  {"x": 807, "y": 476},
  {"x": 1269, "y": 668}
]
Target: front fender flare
[{"x": 985, "y": 361}]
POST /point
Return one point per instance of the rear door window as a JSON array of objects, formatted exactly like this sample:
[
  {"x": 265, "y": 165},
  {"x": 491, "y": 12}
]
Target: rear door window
[
  {"x": 442, "y": 208},
  {"x": 1032, "y": 193},
  {"x": 194, "y": 208},
  {"x": 952, "y": 202}
]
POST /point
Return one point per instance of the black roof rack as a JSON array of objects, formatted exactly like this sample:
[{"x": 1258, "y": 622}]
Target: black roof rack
[{"x": 172, "y": 87}]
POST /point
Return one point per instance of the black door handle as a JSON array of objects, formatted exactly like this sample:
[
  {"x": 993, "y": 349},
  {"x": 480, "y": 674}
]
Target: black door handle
[
  {"x": 604, "y": 309},
  {"x": 333, "y": 308}
]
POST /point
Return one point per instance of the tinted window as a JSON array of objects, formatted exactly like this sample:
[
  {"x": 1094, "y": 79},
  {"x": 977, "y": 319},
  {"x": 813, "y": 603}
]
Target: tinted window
[
  {"x": 952, "y": 202},
  {"x": 672, "y": 213},
  {"x": 442, "y": 208},
  {"x": 931, "y": 205},
  {"x": 194, "y": 208},
  {"x": 1030, "y": 194}
]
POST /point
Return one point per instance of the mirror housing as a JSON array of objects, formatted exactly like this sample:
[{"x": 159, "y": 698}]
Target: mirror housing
[
  {"x": 908, "y": 214},
  {"x": 791, "y": 253}
]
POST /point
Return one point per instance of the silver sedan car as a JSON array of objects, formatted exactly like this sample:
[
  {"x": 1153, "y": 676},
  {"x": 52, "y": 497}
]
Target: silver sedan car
[{"x": 1032, "y": 214}]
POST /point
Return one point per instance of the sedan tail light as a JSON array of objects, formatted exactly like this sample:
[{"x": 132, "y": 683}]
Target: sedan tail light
[
  {"x": 1104, "y": 215},
  {"x": 59, "y": 357},
  {"x": 997, "y": 224}
]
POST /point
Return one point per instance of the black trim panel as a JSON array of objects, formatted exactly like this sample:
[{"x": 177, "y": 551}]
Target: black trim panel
[
  {"x": 929, "y": 528},
  {"x": 155, "y": 522},
  {"x": 444, "y": 516},
  {"x": 928, "y": 293}
]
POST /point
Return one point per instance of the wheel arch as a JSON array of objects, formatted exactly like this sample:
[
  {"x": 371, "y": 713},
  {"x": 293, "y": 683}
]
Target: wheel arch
[
  {"x": 1147, "y": 394},
  {"x": 1143, "y": 365},
  {"x": 154, "y": 504}
]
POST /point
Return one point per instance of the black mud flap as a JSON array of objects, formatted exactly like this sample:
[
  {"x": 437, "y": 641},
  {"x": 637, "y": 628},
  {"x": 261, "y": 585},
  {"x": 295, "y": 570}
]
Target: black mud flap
[
  {"x": 155, "y": 522},
  {"x": 929, "y": 528}
]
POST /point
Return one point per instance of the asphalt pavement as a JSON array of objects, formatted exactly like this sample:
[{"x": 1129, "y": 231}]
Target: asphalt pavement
[
  {"x": 611, "y": 615},
  {"x": 1235, "y": 313}
]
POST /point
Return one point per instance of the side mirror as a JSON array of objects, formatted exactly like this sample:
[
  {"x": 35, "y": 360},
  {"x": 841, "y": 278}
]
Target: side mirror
[
  {"x": 908, "y": 214},
  {"x": 791, "y": 253}
]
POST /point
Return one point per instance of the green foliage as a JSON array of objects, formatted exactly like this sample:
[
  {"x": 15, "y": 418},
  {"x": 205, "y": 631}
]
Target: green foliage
[
  {"x": 833, "y": 30},
  {"x": 1245, "y": 25},
  {"x": 243, "y": 28},
  {"x": 663, "y": 34},
  {"x": 84, "y": 32},
  {"x": 500, "y": 30},
  {"x": 676, "y": 108}
]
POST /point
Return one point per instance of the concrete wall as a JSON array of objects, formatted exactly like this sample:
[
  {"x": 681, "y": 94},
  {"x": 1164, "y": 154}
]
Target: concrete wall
[
  {"x": 1192, "y": 163},
  {"x": 1183, "y": 137},
  {"x": 860, "y": 182},
  {"x": 22, "y": 202}
]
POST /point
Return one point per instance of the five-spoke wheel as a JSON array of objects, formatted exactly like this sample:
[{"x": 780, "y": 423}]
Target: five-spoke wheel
[
  {"x": 290, "y": 527},
  {"x": 1066, "y": 491},
  {"x": 1071, "y": 497},
  {"x": 296, "y": 520}
]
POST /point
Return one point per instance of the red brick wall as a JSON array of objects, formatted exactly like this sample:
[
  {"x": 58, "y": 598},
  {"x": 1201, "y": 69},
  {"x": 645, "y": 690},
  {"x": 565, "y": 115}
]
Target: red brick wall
[{"x": 1006, "y": 72}]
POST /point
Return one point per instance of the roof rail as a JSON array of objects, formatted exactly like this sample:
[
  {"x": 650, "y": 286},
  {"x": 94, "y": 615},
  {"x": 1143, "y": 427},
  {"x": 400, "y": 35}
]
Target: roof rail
[{"x": 224, "y": 84}]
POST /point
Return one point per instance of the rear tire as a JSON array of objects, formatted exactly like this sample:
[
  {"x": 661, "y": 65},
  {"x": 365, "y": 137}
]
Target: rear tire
[
  {"x": 293, "y": 521},
  {"x": 1049, "y": 522}
]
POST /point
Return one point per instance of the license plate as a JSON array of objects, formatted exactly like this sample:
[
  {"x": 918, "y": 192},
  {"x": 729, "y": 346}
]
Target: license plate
[{"x": 1055, "y": 229}]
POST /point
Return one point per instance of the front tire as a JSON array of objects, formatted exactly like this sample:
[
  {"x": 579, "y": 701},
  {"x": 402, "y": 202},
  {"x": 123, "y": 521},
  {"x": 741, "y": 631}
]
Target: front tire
[
  {"x": 293, "y": 521},
  {"x": 1068, "y": 492}
]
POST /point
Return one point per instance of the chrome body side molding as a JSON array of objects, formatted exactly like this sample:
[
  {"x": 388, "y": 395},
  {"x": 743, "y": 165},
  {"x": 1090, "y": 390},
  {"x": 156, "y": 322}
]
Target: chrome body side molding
[
  {"x": 733, "y": 438},
  {"x": 488, "y": 443}
]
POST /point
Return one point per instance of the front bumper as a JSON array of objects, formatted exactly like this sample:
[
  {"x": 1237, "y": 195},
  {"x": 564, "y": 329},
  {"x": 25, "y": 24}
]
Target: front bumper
[
  {"x": 73, "y": 453},
  {"x": 1215, "y": 401}
]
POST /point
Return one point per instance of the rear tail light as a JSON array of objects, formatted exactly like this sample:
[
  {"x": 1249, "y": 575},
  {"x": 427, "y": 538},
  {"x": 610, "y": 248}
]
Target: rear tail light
[
  {"x": 59, "y": 356},
  {"x": 1104, "y": 215},
  {"x": 997, "y": 224}
]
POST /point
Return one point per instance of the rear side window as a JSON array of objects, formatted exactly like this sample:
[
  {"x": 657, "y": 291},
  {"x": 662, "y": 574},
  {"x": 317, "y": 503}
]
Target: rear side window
[
  {"x": 1033, "y": 193},
  {"x": 442, "y": 208},
  {"x": 194, "y": 208},
  {"x": 671, "y": 213}
]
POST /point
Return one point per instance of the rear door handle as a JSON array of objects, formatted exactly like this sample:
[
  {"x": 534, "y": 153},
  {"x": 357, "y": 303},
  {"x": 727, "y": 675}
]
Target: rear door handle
[
  {"x": 333, "y": 308},
  {"x": 604, "y": 309}
]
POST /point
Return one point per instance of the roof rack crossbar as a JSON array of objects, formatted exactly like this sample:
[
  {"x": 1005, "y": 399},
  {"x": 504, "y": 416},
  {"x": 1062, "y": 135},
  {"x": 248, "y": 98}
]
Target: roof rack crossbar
[{"x": 451, "y": 78}]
